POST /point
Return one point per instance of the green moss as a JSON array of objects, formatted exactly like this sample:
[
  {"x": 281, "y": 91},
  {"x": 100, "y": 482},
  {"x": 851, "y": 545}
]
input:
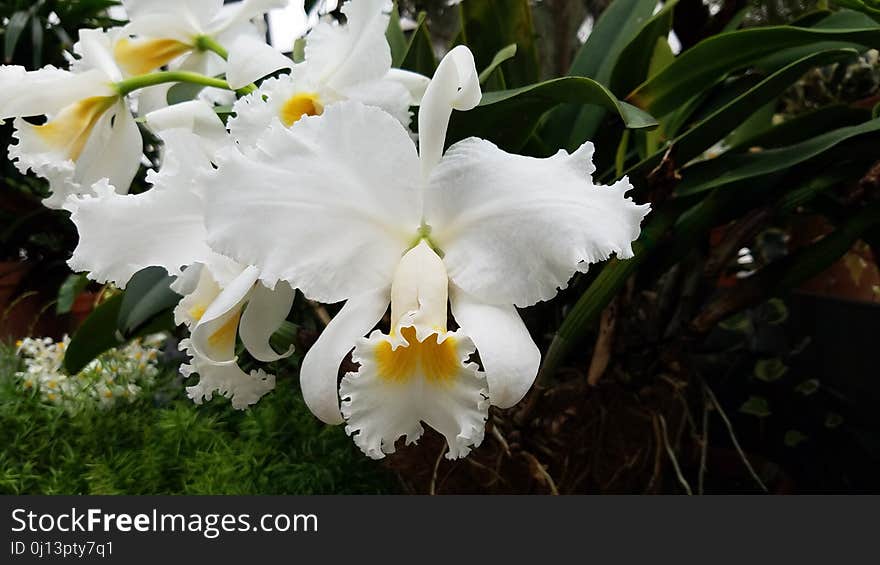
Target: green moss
[{"x": 163, "y": 444}]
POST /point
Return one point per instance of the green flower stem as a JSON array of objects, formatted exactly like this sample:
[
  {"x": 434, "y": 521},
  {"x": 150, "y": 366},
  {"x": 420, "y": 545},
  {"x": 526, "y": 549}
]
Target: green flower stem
[
  {"x": 208, "y": 43},
  {"x": 129, "y": 85}
]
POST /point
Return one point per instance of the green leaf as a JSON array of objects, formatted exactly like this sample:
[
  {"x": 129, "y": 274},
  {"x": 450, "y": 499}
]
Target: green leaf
[
  {"x": 833, "y": 420},
  {"x": 490, "y": 25},
  {"x": 606, "y": 286},
  {"x": 756, "y": 406},
  {"x": 869, "y": 7},
  {"x": 770, "y": 370},
  {"x": 147, "y": 295},
  {"x": 96, "y": 335},
  {"x": 807, "y": 387},
  {"x": 716, "y": 57},
  {"x": 734, "y": 113},
  {"x": 804, "y": 126},
  {"x": 794, "y": 438},
  {"x": 634, "y": 64},
  {"x": 37, "y": 34},
  {"x": 12, "y": 34},
  {"x": 419, "y": 56},
  {"x": 396, "y": 38},
  {"x": 775, "y": 312},
  {"x": 508, "y": 117},
  {"x": 616, "y": 27},
  {"x": 70, "y": 289},
  {"x": 183, "y": 92},
  {"x": 739, "y": 167},
  {"x": 503, "y": 55}
]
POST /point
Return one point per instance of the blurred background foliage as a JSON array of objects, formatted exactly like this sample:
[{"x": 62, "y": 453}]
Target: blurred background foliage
[{"x": 734, "y": 353}]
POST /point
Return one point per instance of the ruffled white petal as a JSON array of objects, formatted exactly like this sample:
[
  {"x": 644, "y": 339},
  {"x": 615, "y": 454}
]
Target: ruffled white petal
[
  {"x": 514, "y": 229},
  {"x": 213, "y": 336},
  {"x": 266, "y": 310},
  {"x": 113, "y": 152},
  {"x": 380, "y": 408},
  {"x": 341, "y": 56},
  {"x": 255, "y": 112},
  {"x": 241, "y": 388},
  {"x": 320, "y": 366},
  {"x": 455, "y": 85},
  {"x": 46, "y": 91},
  {"x": 509, "y": 355},
  {"x": 251, "y": 59},
  {"x": 120, "y": 234},
  {"x": 337, "y": 203}
]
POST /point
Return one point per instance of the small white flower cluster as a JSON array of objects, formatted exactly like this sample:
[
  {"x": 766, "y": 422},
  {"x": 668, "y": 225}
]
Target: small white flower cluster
[{"x": 115, "y": 375}]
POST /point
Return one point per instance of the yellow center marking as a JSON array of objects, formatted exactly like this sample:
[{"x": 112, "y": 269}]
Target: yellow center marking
[
  {"x": 436, "y": 362},
  {"x": 299, "y": 105},
  {"x": 196, "y": 312},
  {"x": 145, "y": 55},
  {"x": 224, "y": 336},
  {"x": 70, "y": 129}
]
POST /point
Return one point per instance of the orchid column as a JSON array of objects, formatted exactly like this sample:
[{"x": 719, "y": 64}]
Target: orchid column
[{"x": 347, "y": 209}]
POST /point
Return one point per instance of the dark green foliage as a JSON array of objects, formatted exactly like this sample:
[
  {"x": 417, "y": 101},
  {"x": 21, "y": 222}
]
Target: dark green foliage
[{"x": 163, "y": 444}]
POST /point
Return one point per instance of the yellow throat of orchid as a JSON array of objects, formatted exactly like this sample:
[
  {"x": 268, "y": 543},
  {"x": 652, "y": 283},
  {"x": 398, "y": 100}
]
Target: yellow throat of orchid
[
  {"x": 299, "y": 105},
  {"x": 140, "y": 56},
  {"x": 419, "y": 294},
  {"x": 69, "y": 131}
]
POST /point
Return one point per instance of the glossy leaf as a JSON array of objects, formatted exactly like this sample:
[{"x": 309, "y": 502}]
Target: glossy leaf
[
  {"x": 146, "y": 296},
  {"x": 72, "y": 286},
  {"x": 396, "y": 38},
  {"x": 508, "y": 117},
  {"x": 606, "y": 286},
  {"x": 503, "y": 55},
  {"x": 488, "y": 26},
  {"x": 17, "y": 22},
  {"x": 635, "y": 60},
  {"x": 95, "y": 336},
  {"x": 718, "y": 56},
  {"x": 419, "y": 56},
  {"x": 739, "y": 167},
  {"x": 728, "y": 117},
  {"x": 569, "y": 126}
]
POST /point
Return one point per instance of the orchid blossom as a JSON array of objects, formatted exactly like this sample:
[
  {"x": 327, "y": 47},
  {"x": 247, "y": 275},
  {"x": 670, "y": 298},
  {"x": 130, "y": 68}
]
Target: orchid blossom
[
  {"x": 90, "y": 133},
  {"x": 120, "y": 234},
  {"x": 345, "y": 208},
  {"x": 342, "y": 62},
  {"x": 192, "y": 34}
]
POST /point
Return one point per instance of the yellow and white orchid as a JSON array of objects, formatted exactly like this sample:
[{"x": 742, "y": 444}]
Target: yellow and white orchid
[
  {"x": 345, "y": 208},
  {"x": 120, "y": 234},
  {"x": 90, "y": 133},
  {"x": 194, "y": 35},
  {"x": 342, "y": 62}
]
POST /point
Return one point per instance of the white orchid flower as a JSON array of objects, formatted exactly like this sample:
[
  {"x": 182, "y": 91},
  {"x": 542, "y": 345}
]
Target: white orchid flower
[
  {"x": 90, "y": 133},
  {"x": 120, "y": 234},
  {"x": 342, "y": 62},
  {"x": 193, "y": 34},
  {"x": 345, "y": 208}
]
